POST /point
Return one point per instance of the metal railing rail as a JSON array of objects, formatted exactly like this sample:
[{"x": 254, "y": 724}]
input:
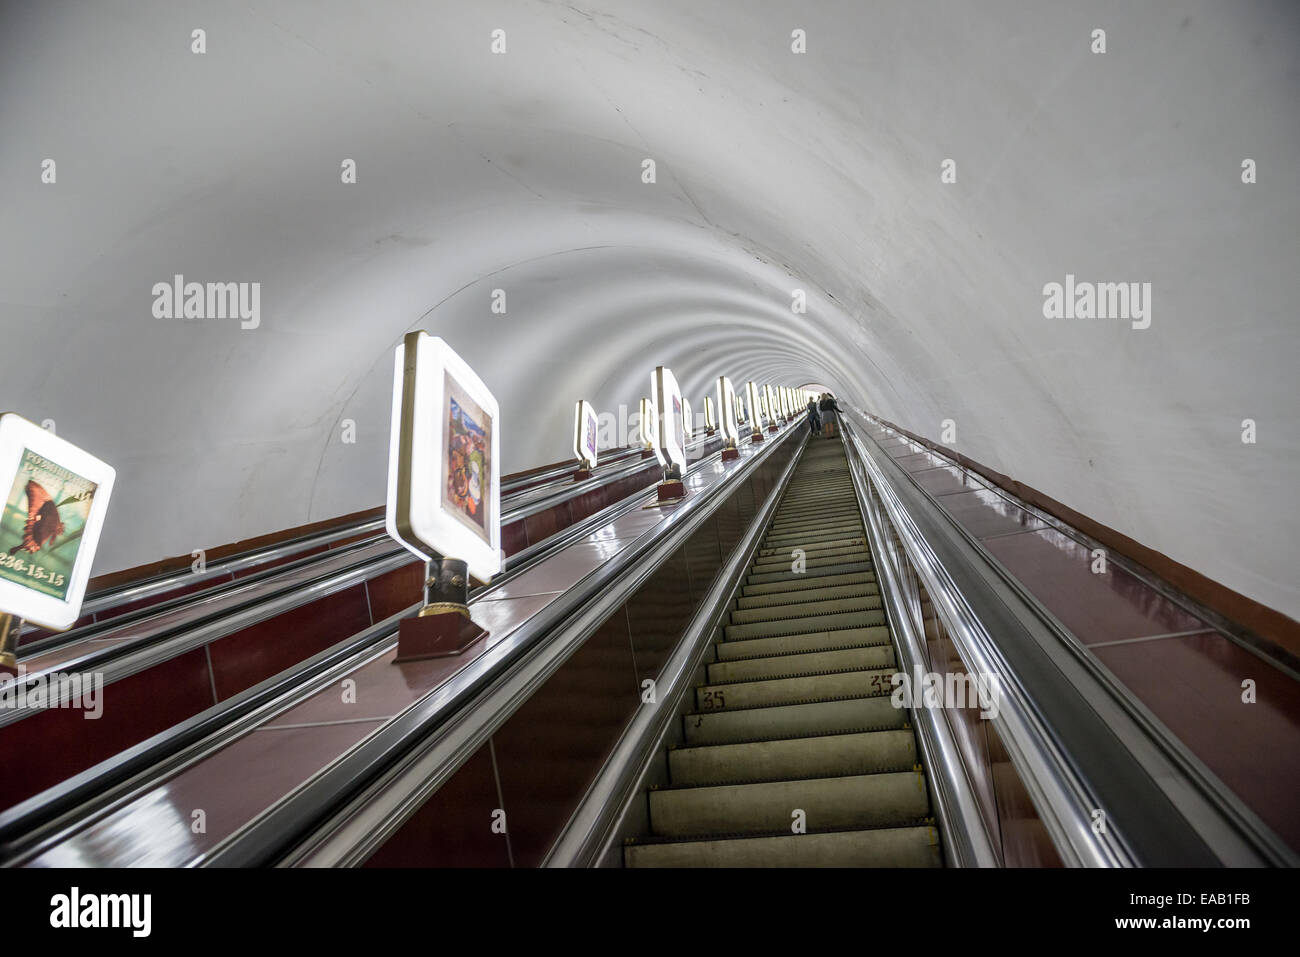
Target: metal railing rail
[{"x": 342, "y": 814}]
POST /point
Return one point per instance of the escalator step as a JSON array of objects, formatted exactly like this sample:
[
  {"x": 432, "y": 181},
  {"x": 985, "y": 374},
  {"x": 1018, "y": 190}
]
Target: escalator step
[
  {"x": 802, "y": 582},
  {"x": 881, "y": 847},
  {"x": 890, "y": 798},
  {"x": 801, "y": 644},
  {"x": 788, "y": 721},
  {"x": 799, "y": 626},
  {"x": 868, "y": 658},
  {"x": 804, "y": 609},
  {"x": 832, "y": 755},
  {"x": 819, "y": 566},
  {"x": 773, "y": 691},
  {"x": 808, "y": 594}
]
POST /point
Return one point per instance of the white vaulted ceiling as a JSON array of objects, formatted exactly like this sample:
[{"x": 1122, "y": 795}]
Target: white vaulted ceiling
[{"x": 775, "y": 171}]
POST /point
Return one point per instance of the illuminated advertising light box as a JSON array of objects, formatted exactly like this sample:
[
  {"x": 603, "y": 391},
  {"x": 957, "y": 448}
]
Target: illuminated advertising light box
[
  {"x": 710, "y": 417},
  {"x": 769, "y": 404},
  {"x": 584, "y": 434},
  {"x": 687, "y": 419},
  {"x": 648, "y": 428},
  {"x": 755, "y": 404},
  {"x": 56, "y": 497},
  {"x": 444, "y": 459},
  {"x": 669, "y": 421},
  {"x": 727, "y": 407}
]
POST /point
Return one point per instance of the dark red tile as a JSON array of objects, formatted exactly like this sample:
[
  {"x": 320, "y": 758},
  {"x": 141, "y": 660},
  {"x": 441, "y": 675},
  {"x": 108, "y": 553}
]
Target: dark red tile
[
  {"x": 985, "y": 513},
  {"x": 380, "y": 689},
  {"x": 243, "y": 659},
  {"x": 109, "y": 614},
  {"x": 1095, "y": 607},
  {"x": 453, "y": 828},
  {"x": 946, "y": 480},
  {"x": 1025, "y": 841},
  {"x": 658, "y": 614},
  {"x": 1194, "y": 685},
  {"x": 52, "y": 745},
  {"x": 394, "y": 591},
  {"x": 229, "y": 787},
  {"x": 545, "y": 524},
  {"x": 549, "y": 751},
  {"x": 514, "y": 538}
]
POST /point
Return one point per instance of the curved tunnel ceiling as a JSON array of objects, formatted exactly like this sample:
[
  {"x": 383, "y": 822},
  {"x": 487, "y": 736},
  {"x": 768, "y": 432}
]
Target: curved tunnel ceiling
[{"x": 775, "y": 171}]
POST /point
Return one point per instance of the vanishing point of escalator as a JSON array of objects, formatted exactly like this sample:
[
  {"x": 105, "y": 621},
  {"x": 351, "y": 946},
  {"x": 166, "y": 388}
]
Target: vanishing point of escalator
[{"x": 794, "y": 754}]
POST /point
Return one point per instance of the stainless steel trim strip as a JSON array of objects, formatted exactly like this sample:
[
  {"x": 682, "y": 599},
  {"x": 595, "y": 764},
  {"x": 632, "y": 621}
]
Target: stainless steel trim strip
[{"x": 590, "y": 830}]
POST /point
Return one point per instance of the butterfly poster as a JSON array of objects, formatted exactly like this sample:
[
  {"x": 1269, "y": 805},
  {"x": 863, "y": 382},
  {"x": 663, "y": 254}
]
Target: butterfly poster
[{"x": 41, "y": 529}]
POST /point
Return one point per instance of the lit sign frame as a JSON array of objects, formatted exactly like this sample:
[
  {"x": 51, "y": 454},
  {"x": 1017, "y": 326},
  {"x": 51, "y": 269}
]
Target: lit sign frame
[
  {"x": 648, "y": 427},
  {"x": 727, "y": 406},
  {"x": 429, "y": 378},
  {"x": 28, "y": 450},
  {"x": 710, "y": 417},
  {"x": 586, "y": 425},
  {"x": 688, "y": 421},
  {"x": 667, "y": 399},
  {"x": 755, "y": 403}
]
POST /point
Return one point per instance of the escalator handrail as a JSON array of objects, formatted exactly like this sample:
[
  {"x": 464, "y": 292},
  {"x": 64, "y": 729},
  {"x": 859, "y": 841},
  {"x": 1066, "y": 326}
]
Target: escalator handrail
[
  {"x": 1221, "y": 820},
  {"x": 963, "y": 829},
  {"x": 70, "y": 798},
  {"x": 591, "y": 829},
  {"x": 264, "y": 585},
  {"x": 339, "y": 816},
  {"x": 553, "y": 479},
  {"x": 27, "y": 824}
]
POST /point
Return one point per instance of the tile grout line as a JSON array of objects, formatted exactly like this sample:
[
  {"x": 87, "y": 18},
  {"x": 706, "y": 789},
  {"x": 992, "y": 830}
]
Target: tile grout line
[
  {"x": 1170, "y": 634},
  {"x": 501, "y": 800}
]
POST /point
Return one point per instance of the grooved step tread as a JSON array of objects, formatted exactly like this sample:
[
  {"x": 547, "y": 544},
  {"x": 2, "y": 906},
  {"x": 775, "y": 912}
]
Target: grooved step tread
[
  {"x": 916, "y": 846},
  {"x": 804, "y": 624},
  {"x": 770, "y": 691},
  {"x": 862, "y": 658},
  {"x": 793, "y": 596},
  {"x": 801, "y": 644},
  {"x": 862, "y": 800},
  {"x": 787, "y": 759}
]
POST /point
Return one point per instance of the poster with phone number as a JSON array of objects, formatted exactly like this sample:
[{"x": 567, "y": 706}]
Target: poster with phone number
[{"x": 44, "y": 516}]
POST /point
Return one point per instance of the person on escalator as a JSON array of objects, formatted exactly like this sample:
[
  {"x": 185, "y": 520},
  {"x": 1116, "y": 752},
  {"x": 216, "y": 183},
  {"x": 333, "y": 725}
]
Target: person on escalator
[
  {"x": 814, "y": 417},
  {"x": 829, "y": 409}
]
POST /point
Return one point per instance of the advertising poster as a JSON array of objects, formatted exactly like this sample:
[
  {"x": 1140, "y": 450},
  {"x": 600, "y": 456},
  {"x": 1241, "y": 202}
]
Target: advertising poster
[
  {"x": 466, "y": 494},
  {"x": 45, "y": 514}
]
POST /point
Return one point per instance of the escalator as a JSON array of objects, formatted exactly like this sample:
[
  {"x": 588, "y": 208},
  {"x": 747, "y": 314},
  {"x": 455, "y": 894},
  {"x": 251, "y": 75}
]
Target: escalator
[{"x": 793, "y": 753}]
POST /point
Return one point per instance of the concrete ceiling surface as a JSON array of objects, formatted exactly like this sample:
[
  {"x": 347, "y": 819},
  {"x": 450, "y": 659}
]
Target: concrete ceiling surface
[{"x": 775, "y": 171}]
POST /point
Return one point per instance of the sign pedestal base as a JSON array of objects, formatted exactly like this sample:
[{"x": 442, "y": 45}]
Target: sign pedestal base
[
  {"x": 440, "y": 635},
  {"x": 730, "y": 454},
  {"x": 772, "y": 428},
  {"x": 671, "y": 490},
  {"x": 756, "y": 438},
  {"x": 443, "y": 627},
  {"x": 581, "y": 474}
]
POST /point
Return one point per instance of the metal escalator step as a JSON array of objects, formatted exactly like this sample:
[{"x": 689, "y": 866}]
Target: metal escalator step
[
  {"x": 831, "y": 755},
  {"x": 866, "y": 800},
  {"x": 804, "y": 624},
  {"x": 811, "y": 553},
  {"x": 880, "y": 847},
  {"x": 802, "y": 644},
  {"x": 811, "y": 543},
  {"x": 808, "y": 594},
  {"x": 804, "y": 609},
  {"x": 869, "y": 657},
  {"x": 871, "y": 713},
  {"x": 772, "y": 691},
  {"x": 854, "y": 559},
  {"x": 804, "y": 582}
]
